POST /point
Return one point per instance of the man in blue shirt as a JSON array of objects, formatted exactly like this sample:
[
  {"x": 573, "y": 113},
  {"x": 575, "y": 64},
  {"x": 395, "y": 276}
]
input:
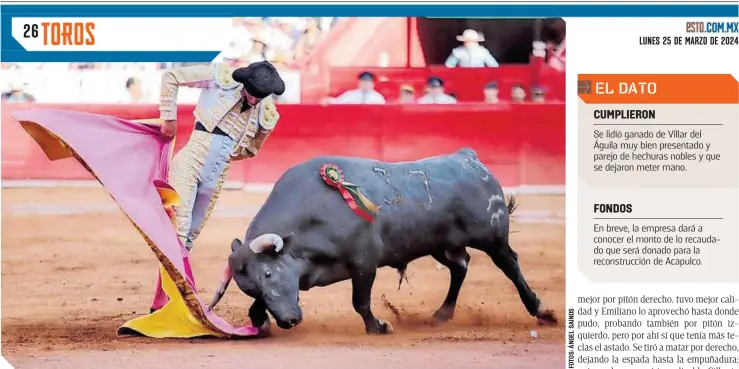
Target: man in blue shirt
[{"x": 471, "y": 54}]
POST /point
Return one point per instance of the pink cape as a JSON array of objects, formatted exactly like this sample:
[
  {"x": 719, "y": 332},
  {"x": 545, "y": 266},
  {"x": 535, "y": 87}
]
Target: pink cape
[{"x": 128, "y": 158}]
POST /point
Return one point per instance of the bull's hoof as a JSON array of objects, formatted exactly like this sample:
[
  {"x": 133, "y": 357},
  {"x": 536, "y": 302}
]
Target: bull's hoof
[
  {"x": 443, "y": 315},
  {"x": 383, "y": 327},
  {"x": 546, "y": 317}
]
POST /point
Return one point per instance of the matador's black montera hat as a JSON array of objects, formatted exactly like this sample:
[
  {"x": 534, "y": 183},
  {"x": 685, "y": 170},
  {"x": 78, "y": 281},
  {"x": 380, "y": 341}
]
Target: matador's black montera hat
[{"x": 260, "y": 79}]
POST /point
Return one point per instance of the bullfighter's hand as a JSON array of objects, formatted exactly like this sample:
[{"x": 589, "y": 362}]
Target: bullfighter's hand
[{"x": 169, "y": 128}]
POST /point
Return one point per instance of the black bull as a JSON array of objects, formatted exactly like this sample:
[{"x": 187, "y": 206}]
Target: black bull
[{"x": 306, "y": 236}]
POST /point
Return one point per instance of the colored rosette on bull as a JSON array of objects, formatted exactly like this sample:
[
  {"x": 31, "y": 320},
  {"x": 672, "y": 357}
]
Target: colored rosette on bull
[
  {"x": 351, "y": 193},
  {"x": 332, "y": 175}
]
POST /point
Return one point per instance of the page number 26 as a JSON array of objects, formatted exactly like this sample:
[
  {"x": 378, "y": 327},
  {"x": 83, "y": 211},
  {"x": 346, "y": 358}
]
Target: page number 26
[{"x": 30, "y": 30}]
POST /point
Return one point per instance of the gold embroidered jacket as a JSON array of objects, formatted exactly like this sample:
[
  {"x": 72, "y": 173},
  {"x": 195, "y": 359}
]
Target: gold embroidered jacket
[{"x": 219, "y": 105}]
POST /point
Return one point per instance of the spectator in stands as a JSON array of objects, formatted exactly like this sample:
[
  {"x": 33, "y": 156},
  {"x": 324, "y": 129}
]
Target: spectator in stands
[
  {"x": 258, "y": 51},
  {"x": 290, "y": 28},
  {"x": 278, "y": 38},
  {"x": 239, "y": 42},
  {"x": 518, "y": 94},
  {"x": 491, "y": 93},
  {"x": 537, "y": 95},
  {"x": 471, "y": 54},
  {"x": 407, "y": 94},
  {"x": 16, "y": 93},
  {"x": 254, "y": 25},
  {"x": 435, "y": 93},
  {"x": 365, "y": 94},
  {"x": 309, "y": 39},
  {"x": 134, "y": 92}
]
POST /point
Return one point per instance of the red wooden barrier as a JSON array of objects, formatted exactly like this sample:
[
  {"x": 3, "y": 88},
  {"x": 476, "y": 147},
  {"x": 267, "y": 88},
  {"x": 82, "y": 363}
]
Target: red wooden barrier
[{"x": 522, "y": 144}]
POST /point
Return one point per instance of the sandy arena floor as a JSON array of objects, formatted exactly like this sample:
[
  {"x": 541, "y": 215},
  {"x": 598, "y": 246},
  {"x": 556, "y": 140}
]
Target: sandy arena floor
[{"x": 74, "y": 269}]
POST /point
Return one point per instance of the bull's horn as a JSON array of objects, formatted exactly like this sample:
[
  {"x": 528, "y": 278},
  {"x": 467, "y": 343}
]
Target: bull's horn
[
  {"x": 225, "y": 280},
  {"x": 265, "y": 241}
]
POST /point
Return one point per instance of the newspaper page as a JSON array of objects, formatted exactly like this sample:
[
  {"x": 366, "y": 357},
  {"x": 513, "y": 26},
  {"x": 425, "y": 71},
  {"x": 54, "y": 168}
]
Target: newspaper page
[{"x": 369, "y": 184}]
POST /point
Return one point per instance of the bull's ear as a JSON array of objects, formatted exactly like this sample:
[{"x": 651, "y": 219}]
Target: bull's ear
[
  {"x": 235, "y": 244},
  {"x": 288, "y": 236}
]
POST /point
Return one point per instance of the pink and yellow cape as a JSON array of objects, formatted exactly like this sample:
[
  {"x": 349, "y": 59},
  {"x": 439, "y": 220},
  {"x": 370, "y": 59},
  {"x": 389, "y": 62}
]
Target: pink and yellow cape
[{"x": 131, "y": 160}]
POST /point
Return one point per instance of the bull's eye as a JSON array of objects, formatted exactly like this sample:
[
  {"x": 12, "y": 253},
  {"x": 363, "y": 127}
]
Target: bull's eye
[{"x": 267, "y": 273}]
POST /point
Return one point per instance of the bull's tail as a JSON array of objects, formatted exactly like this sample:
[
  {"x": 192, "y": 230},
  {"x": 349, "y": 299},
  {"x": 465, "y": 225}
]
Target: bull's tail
[{"x": 512, "y": 205}]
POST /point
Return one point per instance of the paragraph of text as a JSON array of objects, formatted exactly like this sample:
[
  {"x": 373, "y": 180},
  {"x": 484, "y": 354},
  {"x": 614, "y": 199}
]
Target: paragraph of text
[
  {"x": 650, "y": 244},
  {"x": 605, "y": 332},
  {"x": 650, "y": 150}
]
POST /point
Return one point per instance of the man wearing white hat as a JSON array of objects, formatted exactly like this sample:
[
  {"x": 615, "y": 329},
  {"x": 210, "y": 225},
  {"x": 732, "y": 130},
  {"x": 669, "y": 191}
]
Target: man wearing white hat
[{"x": 471, "y": 54}]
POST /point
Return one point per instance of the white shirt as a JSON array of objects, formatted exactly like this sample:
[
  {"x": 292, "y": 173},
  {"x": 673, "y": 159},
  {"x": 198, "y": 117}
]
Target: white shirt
[
  {"x": 360, "y": 97},
  {"x": 437, "y": 99}
]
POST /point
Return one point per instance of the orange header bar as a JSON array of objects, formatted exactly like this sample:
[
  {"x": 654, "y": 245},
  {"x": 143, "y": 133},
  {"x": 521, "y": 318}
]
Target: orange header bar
[{"x": 658, "y": 89}]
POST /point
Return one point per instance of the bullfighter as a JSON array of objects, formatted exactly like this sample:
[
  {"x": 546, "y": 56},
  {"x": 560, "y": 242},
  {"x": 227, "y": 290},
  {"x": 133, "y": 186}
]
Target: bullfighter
[{"x": 234, "y": 116}]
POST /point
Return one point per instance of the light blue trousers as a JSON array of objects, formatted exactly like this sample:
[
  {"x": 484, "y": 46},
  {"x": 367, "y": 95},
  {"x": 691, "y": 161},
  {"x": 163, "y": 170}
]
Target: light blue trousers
[{"x": 197, "y": 173}]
